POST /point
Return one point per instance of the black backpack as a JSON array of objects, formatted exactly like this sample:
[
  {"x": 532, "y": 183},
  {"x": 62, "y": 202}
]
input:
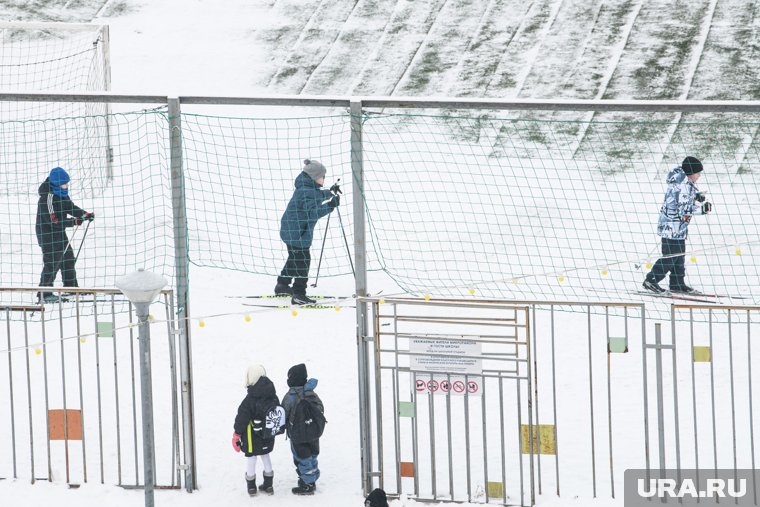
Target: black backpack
[{"x": 307, "y": 422}]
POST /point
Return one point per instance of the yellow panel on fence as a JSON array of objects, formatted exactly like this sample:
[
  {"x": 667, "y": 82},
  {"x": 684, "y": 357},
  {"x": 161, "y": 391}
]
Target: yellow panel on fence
[
  {"x": 495, "y": 489},
  {"x": 548, "y": 439},
  {"x": 702, "y": 355},
  {"x": 72, "y": 429}
]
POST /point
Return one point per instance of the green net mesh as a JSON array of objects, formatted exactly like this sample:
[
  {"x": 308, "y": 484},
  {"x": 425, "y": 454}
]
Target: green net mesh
[
  {"x": 457, "y": 205},
  {"x": 133, "y": 215}
]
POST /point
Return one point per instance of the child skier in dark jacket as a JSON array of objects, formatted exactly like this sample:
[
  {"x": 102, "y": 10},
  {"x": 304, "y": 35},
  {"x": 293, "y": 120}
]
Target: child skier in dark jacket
[
  {"x": 259, "y": 418},
  {"x": 55, "y": 212},
  {"x": 304, "y": 454}
]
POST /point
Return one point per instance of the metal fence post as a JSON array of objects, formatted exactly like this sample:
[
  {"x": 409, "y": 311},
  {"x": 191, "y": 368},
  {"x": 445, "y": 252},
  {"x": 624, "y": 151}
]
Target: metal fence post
[
  {"x": 360, "y": 256},
  {"x": 660, "y": 397},
  {"x": 182, "y": 268}
]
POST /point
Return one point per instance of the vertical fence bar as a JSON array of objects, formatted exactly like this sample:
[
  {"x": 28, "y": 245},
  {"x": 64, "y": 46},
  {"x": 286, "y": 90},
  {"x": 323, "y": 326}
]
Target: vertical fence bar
[
  {"x": 591, "y": 400},
  {"x": 100, "y": 399},
  {"x": 609, "y": 397},
  {"x": 378, "y": 362},
  {"x": 731, "y": 382},
  {"x": 182, "y": 271},
  {"x": 531, "y": 428},
  {"x": 694, "y": 394},
  {"x": 47, "y": 395},
  {"x": 397, "y": 397},
  {"x": 10, "y": 388},
  {"x": 116, "y": 389},
  {"x": 431, "y": 415},
  {"x": 519, "y": 436},
  {"x": 676, "y": 418},
  {"x": 134, "y": 395},
  {"x": 485, "y": 434},
  {"x": 449, "y": 443},
  {"x": 554, "y": 400},
  {"x": 535, "y": 396},
  {"x": 751, "y": 409},
  {"x": 660, "y": 396},
  {"x": 173, "y": 387},
  {"x": 644, "y": 374},
  {"x": 63, "y": 387},
  {"x": 502, "y": 433},
  {"x": 360, "y": 260},
  {"x": 29, "y": 394},
  {"x": 712, "y": 391},
  {"x": 81, "y": 394},
  {"x": 173, "y": 333}
]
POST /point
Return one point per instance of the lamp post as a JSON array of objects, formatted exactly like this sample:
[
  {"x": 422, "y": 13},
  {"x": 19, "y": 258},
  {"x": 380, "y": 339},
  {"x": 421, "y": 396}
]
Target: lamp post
[{"x": 141, "y": 288}]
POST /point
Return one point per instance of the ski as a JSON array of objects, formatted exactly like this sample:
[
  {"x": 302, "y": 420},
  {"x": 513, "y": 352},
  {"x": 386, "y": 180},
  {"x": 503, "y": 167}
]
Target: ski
[
  {"x": 669, "y": 295},
  {"x": 295, "y": 307},
  {"x": 282, "y": 296}
]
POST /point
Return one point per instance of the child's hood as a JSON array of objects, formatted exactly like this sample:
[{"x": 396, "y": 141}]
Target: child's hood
[
  {"x": 310, "y": 385},
  {"x": 676, "y": 175}
]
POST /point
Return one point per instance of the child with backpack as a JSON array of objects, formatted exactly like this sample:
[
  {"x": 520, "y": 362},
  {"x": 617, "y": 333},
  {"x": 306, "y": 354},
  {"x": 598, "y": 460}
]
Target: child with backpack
[
  {"x": 305, "y": 422},
  {"x": 259, "y": 419}
]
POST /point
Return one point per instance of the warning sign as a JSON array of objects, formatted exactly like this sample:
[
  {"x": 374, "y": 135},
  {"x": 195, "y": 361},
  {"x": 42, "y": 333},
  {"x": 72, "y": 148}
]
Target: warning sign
[
  {"x": 445, "y": 385},
  {"x": 446, "y": 355}
]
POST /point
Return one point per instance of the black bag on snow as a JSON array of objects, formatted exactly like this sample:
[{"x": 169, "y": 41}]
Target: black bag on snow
[{"x": 307, "y": 423}]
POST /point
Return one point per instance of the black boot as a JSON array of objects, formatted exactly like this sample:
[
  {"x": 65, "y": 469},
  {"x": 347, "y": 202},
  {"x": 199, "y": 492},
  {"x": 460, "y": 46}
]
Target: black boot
[
  {"x": 252, "y": 490},
  {"x": 304, "y": 489},
  {"x": 283, "y": 289},
  {"x": 266, "y": 486},
  {"x": 302, "y": 299}
]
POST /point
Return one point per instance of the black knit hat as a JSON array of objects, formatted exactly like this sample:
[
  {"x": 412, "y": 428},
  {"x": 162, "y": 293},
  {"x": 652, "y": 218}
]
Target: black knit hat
[
  {"x": 297, "y": 375},
  {"x": 691, "y": 165},
  {"x": 376, "y": 498}
]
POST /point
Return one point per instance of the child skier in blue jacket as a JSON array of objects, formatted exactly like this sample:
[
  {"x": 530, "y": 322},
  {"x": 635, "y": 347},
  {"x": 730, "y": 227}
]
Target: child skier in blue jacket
[{"x": 309, "y": 203}]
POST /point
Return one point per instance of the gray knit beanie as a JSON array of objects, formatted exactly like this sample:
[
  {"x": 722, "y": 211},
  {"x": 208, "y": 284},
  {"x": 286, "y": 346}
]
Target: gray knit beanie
[{"x": 314, "y": 168}]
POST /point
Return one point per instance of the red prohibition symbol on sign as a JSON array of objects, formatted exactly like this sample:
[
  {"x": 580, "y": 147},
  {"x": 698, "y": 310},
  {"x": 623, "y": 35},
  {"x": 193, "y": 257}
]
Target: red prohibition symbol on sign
[
  {"x": 420, "y": 385},
  {"x": 472, "y": 387},
  {"x": 458, "y": 386},
  {"x": 433, "y": 386},
  {"x": 445, "y": 386}
]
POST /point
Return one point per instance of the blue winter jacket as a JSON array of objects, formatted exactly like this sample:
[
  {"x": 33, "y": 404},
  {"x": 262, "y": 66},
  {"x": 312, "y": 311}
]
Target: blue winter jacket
[
  {"x": 679, "y": 204},
  {"x": 304, "y": 209}
]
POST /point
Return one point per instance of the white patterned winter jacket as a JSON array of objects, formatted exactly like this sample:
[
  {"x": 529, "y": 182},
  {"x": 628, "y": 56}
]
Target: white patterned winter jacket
[{"x": 679, "y": 206}]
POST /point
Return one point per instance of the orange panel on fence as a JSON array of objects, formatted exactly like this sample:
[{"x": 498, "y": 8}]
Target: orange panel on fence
[
  {"x": 73, "y": 424},
  {"x": 407, "y": 469}
]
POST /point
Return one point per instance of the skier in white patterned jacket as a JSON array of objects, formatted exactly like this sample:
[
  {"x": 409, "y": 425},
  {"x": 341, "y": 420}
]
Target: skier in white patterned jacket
[{"x": 682, "y": 201}]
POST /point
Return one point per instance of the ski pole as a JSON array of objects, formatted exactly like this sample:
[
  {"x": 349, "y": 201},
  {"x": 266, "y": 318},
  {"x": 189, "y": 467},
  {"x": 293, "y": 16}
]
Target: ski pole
[
  {"x": 345, "y": 240},
  {"x": 321, "y": 251},
  {"x": 82, "y": 242}
]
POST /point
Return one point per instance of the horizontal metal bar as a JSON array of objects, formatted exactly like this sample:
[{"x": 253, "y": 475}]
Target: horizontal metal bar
[
  {"x": 50, "y": 25},
  {"x": 515, "y": 305},
  {"x": 713, "y": 106},
  {"x": 715, "y": 307},
  {"x": 113, "y": 98},
  {"x": 21, "y": 308},
  {"x": 406, "y": 369},
  {"x": 462, "y": 337},
  {"x": 500, "y": 320},
  {"x": 80, "y": 290},
  {"x": 661, "y": 346},
  {"x": 271, "y": 100}
]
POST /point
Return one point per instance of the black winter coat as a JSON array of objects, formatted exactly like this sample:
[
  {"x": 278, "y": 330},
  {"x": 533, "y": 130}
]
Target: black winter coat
[
  {"x": 54, "y": 214},
  {"x": 260, "y": 398}
]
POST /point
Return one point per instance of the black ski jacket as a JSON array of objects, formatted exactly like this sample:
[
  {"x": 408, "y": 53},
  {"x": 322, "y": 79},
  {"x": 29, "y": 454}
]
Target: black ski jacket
[
  {"x": 54, "y": 214},
  {"x": 260, "y": 399}
]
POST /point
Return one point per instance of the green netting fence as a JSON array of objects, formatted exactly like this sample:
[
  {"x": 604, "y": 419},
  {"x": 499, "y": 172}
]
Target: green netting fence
[{"x": 528, "y": 206}]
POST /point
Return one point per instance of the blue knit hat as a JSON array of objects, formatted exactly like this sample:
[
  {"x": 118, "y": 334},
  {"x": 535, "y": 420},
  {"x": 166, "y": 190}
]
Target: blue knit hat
[{"x": 58, "y": 176}]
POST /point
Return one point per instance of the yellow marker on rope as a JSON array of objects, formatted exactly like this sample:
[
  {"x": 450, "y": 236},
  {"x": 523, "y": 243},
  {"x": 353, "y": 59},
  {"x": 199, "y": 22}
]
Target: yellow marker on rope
[
  {"x": 561, "y": 279},
  {"x": 38, "y": 351},
  {"x": 648, "y": 265},
  {"x": 151, "y": 318},
  {"x": 337, "y": 308},
  {"x": 472, "y": 292},
  {"x": 427, "y": 297},
  {"x": 294, "y": 313},
  {"x": 605, "y": 272},
  {"x": 248, "y": 318},
  {"x": 382, "y": 301},
  {"x": 202, "y": 324},
  {"x": 82, "y": 340},
  {"x": 738, "y": 251},
  {"x": 515, "y": 281},
  {"x": 693, "y": 259}
]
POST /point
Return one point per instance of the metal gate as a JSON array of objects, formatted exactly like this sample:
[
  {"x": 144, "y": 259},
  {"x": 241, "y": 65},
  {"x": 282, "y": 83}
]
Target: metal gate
[
  {"x": 70, "y": 410},
  {"x": 701, "y": 411},
  {"x": 450, "y": 385}
]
